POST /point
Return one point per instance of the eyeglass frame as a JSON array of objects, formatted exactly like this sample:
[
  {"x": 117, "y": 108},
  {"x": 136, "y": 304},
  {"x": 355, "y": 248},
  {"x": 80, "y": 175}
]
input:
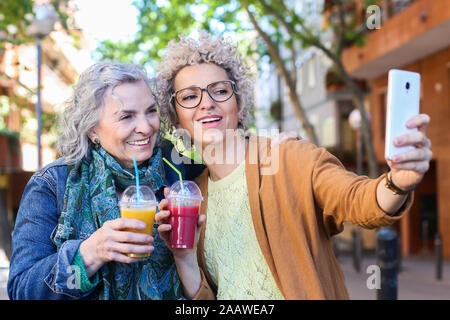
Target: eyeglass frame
[{"x": 233, "y": 88}]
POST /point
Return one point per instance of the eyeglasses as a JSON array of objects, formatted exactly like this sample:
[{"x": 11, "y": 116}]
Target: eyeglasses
[{"x": 191, "y": 97}]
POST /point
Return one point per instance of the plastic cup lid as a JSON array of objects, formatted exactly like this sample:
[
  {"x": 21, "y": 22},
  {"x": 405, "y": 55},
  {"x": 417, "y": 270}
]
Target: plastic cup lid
[
  {"x": 130, "y": 196},
  {"x": 190, "y": 190}
]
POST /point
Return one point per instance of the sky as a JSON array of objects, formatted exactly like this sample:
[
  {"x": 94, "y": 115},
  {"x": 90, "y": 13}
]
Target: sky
[{"x": 113, "y": 20}]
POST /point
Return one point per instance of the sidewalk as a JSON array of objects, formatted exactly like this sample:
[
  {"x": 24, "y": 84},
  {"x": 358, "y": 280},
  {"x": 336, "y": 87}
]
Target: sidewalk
[{"x": 416, "y": 281}]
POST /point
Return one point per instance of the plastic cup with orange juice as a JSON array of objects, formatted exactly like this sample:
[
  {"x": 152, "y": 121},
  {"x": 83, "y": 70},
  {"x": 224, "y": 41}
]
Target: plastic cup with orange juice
[{"x": 141, "y": 206}]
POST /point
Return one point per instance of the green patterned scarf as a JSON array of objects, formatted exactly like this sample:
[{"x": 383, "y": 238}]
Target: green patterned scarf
[{"x": 90, "y": 200}]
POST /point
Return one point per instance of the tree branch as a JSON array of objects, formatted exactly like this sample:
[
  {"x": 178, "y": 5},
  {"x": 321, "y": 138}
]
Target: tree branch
[
  {"x": 18, "y": 82},
  {"x": 288, "y": 26},
  {"x": 274, "y": 53},
  {"x": 311, "y": 39},
  {"x": 343, "y": 27}
]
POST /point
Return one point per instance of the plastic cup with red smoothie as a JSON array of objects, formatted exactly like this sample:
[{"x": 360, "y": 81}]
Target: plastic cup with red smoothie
[{"x": 184, "y": 206}]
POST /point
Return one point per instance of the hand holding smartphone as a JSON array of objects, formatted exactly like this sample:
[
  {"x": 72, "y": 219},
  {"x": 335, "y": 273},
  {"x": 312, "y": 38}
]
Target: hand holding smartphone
[{"x": 402, "y": 104}]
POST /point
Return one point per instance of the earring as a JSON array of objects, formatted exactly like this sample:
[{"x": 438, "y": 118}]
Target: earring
[{"x": 96, "y": 141}]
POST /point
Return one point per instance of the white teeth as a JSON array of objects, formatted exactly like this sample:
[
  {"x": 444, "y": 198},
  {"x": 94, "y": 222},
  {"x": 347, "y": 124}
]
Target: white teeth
[
  {"x": 209, "y": 120},
  {"x": 139, "y": 142}
]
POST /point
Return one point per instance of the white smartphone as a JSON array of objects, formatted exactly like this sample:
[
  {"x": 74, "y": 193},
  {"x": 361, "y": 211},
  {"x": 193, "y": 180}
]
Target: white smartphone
[{"x": 402, "y": 104}]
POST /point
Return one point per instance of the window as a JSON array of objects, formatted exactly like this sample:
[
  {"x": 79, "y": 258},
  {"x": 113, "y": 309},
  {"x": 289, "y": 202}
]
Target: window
[
  {"x": 299, "y": 87},
  {"x": 312, "y": 72},
  {"x": 347, "y": 135}
]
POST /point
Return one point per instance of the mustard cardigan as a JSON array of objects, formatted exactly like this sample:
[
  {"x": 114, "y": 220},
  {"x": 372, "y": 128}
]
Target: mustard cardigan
[{"x": 300, "y": 195}]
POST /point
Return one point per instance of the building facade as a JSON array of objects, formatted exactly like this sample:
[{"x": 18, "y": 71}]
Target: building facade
[
  {"x": 327, "y": 106},
  {"x": 62, "y": 62},
  {"x": 414, "y": 36}
]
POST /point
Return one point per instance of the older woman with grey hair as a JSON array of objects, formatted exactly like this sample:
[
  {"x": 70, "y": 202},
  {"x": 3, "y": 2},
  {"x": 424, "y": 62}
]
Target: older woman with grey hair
[
  {"x": 271, "y": 210},
  {"x": 70, "y": 241}
]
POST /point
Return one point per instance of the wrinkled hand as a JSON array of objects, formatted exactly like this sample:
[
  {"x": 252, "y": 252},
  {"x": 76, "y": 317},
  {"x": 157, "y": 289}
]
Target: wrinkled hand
[
  {"x": 408, "y": 168},
  {"x": 162, "y": 218},
  {"x": 112, "y": 242},
  {"x": 285, "y": 135}
]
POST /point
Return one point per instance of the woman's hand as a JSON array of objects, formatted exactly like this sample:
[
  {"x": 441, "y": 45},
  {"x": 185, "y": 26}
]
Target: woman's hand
[
  {"x": 408, "y": 168},
  {"x": 162, "y": 218},
  {"x": 112, "y": 243},
  {"x": 285, "y": 135},
  {"x": 185, "y": 259}
]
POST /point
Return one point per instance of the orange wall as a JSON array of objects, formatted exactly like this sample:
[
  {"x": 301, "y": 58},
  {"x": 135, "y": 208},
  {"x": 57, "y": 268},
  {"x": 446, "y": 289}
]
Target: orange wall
[{"x": 435, "y": 101}]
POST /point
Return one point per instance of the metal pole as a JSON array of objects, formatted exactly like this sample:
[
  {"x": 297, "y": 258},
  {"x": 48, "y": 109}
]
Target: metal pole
[
  {"x": 425, "y": 235},
  {"x": 359, "y": 154},
  {"x": 438, "y": 248},
  {"x": 357, "y": 236},
  {"x": 357, "y": 249},
  {"x": 38, "y": 104},
  {"x": 387, "y": 257}
]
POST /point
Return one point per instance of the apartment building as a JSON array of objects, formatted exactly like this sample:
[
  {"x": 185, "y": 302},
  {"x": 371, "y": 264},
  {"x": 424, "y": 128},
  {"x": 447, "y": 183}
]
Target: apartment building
[{"x": 415, "y": 36}]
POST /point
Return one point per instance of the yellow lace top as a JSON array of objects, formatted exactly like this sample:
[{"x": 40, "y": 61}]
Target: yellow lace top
[{"x": 233, "y": 256}]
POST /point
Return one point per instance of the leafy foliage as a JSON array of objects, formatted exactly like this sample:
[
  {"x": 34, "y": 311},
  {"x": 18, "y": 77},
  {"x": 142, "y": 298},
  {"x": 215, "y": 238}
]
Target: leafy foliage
[
  {"x": 163, "y": 20},
  {"x": 284, "y": 28},
  {"x": 15, "y": 16}
]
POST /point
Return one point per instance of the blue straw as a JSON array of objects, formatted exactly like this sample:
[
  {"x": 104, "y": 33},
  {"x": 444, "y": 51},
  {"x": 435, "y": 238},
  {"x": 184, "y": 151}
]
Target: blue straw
[{"x": 137, "y": 179}]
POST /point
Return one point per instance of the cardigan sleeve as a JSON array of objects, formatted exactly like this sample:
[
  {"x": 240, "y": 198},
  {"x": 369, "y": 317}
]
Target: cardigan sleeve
[
  {"x": 345, "y": 197},
  {"x": 204, "y": 292}
]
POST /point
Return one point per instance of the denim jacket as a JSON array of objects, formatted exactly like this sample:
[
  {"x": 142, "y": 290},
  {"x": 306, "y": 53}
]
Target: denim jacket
[{"x": 37, "y": 269}]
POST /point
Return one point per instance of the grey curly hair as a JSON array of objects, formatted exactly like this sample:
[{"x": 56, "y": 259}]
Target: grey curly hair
[
  {"x": 206, "y": 49},
  {"x": 83, "y": 109}
]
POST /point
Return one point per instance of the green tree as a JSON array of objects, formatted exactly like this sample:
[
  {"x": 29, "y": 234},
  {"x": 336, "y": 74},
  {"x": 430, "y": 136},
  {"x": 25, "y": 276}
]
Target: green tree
[
  {"x": 344, "y": 23},
  {"x": 283, "y": 30},
  {"x": 17, "y": 15},
  {"x": 160, "y": 22}
]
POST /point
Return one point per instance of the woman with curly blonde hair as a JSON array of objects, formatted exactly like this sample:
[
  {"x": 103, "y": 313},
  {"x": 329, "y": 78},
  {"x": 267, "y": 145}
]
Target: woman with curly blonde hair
[
  {"x": 207, "y": 50},
  {"x": 268, "y": 232}
]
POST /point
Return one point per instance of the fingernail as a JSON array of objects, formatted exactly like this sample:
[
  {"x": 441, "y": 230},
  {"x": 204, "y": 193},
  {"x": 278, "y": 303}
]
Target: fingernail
[
  {"x": 397, "y": 158},
  {"x": 398, "y": 141}
]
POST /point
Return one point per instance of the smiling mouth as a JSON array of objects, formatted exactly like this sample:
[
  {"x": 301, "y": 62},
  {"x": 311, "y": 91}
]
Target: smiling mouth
[
  {"x": 210, "y": 120},
  {"x": 139, "y": 142}
]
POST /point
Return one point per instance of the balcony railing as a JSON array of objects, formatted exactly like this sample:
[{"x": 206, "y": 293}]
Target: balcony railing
[
  {"x": 354, "y": 11},
  {"x": 390, "y": 8}
]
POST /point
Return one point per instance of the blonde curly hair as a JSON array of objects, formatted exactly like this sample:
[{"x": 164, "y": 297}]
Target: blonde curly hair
[{"x": 207, "y": 49}]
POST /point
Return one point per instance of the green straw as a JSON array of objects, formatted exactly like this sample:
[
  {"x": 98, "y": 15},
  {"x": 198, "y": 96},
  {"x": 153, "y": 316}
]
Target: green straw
[
  {"x": 176, "y": 170},
  {"x": 137, "y": 179}
]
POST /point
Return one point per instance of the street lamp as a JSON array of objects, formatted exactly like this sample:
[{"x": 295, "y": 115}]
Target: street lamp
[{"x": 42, "y": 25}]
